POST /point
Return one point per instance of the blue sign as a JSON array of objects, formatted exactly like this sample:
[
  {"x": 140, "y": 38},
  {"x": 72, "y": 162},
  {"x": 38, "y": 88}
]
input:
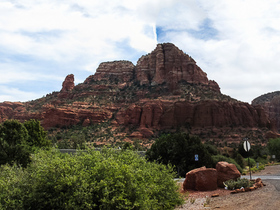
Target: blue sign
[{"x": 196, "y": 157}]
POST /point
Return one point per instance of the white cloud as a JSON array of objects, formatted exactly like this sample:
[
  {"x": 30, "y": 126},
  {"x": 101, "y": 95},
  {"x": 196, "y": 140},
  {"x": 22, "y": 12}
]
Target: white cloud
[
  {"x": 14, "y": 94},
  {"x": 243, "y": 57},
  {"x": 236, "y": 42}
]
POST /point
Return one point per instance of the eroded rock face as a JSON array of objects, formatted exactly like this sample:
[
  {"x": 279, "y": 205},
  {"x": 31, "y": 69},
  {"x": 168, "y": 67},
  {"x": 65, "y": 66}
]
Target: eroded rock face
[
  {"x": 225, "y": 172},
  {"x": 201, "y": 179},
  {"x": 121, "y": 71},
  {"x": 145, "y": 99},
  {"x": 68, "y": 83},
  {"x": 169, "y": 64},
  {"x": 271, "y": 104},
  {"x": 68, "y": 116},
  {"x": 157, "y": 114}
]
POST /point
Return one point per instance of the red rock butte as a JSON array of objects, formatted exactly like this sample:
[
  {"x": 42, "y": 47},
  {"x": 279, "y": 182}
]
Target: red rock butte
[{"x": 165, "y": 91}]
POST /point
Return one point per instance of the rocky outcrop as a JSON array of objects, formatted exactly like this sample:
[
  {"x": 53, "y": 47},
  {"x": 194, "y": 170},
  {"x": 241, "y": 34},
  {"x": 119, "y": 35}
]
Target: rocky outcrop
[
  {"x": 201, "y": 179},
  {"x": 157, "y": 114},
  {"x": 67, "y": 86},
  {"x": 168, "y": 64},
  {"x": 68, "y": 83},
  {"x": 271, "y": 104},
  {"x": 165, "y": 90},
  {"x": 117, "y": 71},
  {"x": 225, "y": 172},
  {"x": 52, "y": 116}
]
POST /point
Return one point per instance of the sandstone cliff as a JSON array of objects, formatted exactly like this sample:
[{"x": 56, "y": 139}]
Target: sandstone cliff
[
  {"x": 165, "y": 91},
  {"x": 271, "y": 104},
  {"x": 169, "y": 64}
]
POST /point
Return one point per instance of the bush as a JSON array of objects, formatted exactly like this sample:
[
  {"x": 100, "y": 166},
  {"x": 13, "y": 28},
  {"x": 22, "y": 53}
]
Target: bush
[
  {"x": 274, "y": 147},
  {"x": 105, "y": 179},
  {"x": 252, "y": 162},
  {"x": 212, "y": 149},
  {"x": 239, "y": 160},
  {"x": 218, "y": 158},
  {"x": 237, "y": 184}
]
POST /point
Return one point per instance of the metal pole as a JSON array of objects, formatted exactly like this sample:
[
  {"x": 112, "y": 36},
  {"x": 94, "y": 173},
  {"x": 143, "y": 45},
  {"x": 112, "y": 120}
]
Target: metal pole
[{"x": 248, "y": 159}]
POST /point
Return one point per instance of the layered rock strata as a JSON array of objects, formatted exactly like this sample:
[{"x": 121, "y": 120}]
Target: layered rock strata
[
  {"x": 146, "y": 97},
  {"x": 271, "y": 104},
  {"x": 168, "y": 64}
]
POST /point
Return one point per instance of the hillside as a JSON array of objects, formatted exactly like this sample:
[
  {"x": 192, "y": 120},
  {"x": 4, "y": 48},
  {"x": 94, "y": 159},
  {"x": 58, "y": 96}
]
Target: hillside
[
  {"x": 271, "y": 104},
  {"x": 166, "y": 91}
]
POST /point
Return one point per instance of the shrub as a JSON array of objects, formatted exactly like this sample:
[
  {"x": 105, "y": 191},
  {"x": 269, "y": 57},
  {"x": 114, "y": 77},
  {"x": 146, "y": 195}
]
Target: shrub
[
  {"x": 218, "y": 158},
  {"x": 239, "y": 160},
  {"x": 274, "y": 147},
  {"x": 237, "y": 184},
  {"x": 106, "y": 179},
  {"x": 252, "y": 162}
]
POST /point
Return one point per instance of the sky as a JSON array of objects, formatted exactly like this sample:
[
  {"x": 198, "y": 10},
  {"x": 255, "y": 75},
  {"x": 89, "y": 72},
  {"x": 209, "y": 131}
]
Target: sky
[{"x": 236, "y": 42}]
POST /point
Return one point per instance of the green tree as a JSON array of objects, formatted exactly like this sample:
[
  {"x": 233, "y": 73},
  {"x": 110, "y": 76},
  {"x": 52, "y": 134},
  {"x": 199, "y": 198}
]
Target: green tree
[
  {"x": 37, "y": 134},
  {"x": 274, "y": 147},
  {"x": 179, "y": 149},
  {"x": 239, "y": 160},
  {"x": 13, "y": 143}
]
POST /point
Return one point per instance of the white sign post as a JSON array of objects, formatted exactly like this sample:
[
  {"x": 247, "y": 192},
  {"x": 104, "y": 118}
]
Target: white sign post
[{"x": 247, "y": 148}]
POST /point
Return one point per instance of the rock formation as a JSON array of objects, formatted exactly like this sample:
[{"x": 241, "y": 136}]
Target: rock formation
[
  {"x": 67, "y": 86},
  {"x": 119, "y": 71},
  {"x": 68, "y": 83},
  {"x": 271, "y": 104},
  {"x": 166, "y": 90},
  {"x": 159, "y": 114},
  {"x": 169, "y": 64}
]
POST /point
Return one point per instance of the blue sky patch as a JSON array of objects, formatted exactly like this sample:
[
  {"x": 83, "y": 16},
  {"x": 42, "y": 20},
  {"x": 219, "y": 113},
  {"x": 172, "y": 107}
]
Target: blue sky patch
[{"x": 205, "y": 31}]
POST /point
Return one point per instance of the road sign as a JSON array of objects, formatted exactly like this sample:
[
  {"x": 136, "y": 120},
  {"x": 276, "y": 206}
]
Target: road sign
[
  {"x": 247, "y": 146},
  {"x": 196, "y": 157}
]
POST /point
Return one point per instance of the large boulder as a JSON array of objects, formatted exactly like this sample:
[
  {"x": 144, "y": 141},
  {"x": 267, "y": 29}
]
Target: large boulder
[
  {"x": 226, "y": 171},
  {"x": 201, "y": 179}
]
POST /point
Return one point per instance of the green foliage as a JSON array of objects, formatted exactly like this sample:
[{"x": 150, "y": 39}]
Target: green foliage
[
  {"x": 37, "y": 134},
  {"x": 218, "y": 158},
  {"x": 13, "y": 143},
  {"x": 212, "y": 149},
  {"x": 252, "y": 162},
  {"x": 239, "y": 160},
  {"x": 106, "y": 179},
  {"x": 179, "y": 149},
  {"x": 237, "y": 184},
  {"x": 18, "y": 141},
  {"x": 274, "y": 147}
]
